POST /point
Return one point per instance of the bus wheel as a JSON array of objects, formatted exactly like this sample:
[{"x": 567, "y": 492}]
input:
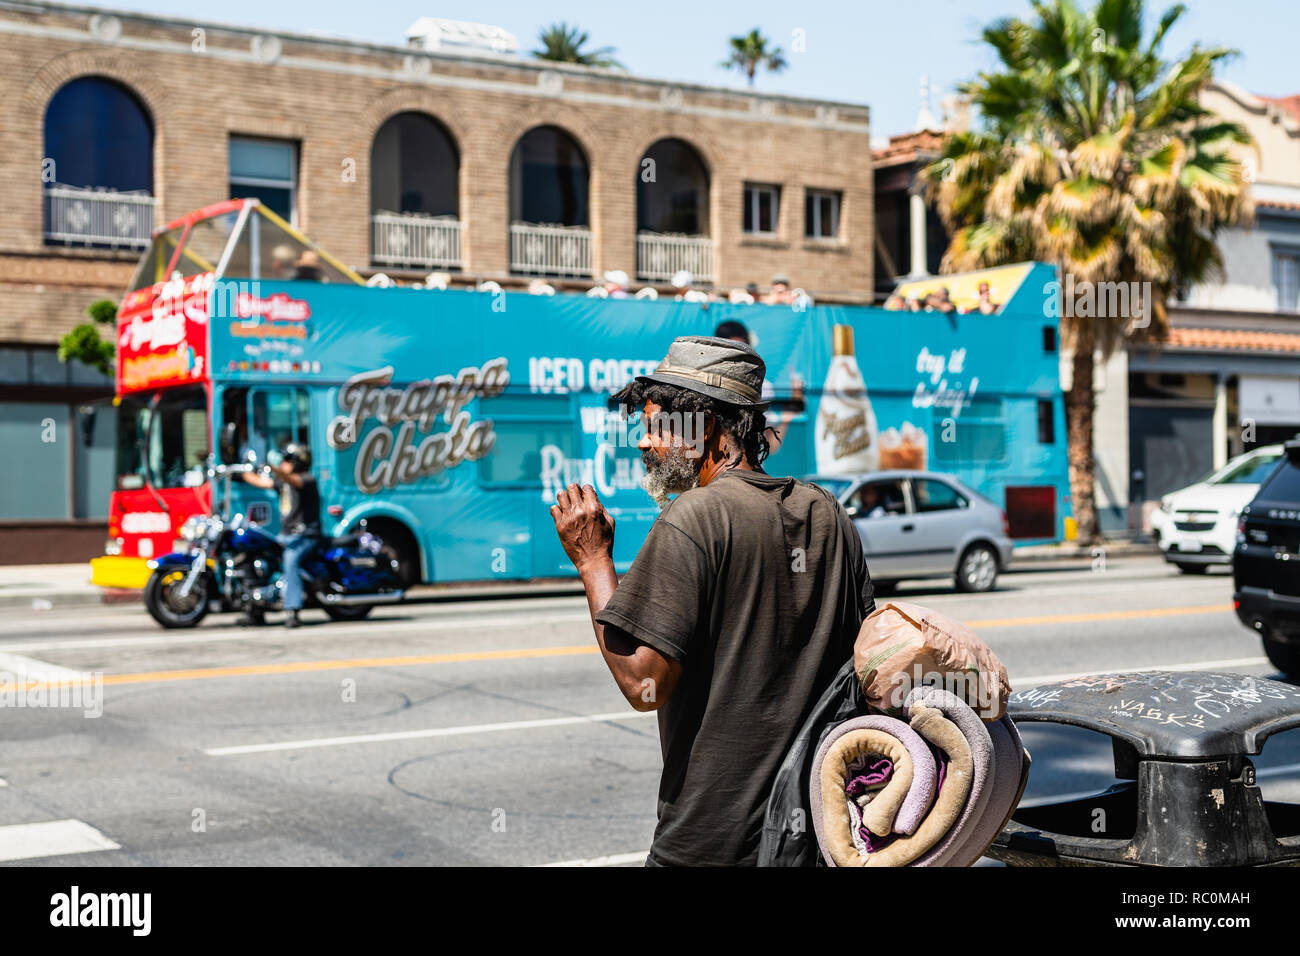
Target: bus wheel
[
  {"x": 166, "y": 606},
  {"x": 400, "y": 544}
]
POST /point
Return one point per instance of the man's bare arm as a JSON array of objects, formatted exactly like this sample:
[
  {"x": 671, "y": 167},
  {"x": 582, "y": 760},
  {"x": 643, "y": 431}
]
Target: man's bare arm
[{"x": 644, "y": 676}]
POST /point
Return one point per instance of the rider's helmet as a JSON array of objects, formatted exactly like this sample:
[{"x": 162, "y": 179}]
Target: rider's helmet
[{"x": 298, "y": 455}]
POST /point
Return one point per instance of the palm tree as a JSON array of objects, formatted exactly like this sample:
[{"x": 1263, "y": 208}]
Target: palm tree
[
  {"x": 750, "y": 51},
  {"x": 563, "y": 43},
  {"x": 1095, "y": 155}
]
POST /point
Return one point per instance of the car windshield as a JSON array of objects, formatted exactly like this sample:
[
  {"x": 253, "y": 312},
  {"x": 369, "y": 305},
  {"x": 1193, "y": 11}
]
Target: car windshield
[
  {"x": 1250, "y": 471},
  {"x": 170, "y": 454}
]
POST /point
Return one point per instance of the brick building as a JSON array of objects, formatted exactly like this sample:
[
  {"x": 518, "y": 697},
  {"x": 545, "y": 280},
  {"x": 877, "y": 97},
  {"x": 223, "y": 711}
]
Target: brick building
[{"x": 397, "y": 158}]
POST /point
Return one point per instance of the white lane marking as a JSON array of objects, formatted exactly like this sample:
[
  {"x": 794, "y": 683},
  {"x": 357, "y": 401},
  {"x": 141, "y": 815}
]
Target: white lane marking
[
  {"x": 27, "y": 668},
  {"x": 1027, "y": 682},
  {"x": 417, "y": 734},
  {"x": 3, "y": 782},
  {"x": 30, "y": 841},
  {"x": 246, "y": 634},
  {"x": 597, "y": 718},
  {"x": 616, "y": 859}
]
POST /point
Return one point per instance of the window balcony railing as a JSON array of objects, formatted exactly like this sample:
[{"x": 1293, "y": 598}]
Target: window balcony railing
[
  {"x": 99, "y": 217},
  {"x": 550, "y": 250},
  {"x": 660, "y": 256},
  {"x": 415, "y": 241}
]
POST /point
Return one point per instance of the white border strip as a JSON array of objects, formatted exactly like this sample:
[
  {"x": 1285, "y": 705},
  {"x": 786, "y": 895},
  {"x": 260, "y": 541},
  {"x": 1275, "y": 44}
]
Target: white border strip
[{"x": 31, "y": 841}]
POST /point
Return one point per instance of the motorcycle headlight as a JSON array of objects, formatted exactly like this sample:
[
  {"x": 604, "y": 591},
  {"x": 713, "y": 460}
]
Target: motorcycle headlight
[
  {"x": 200, "y": 527},
  {"x": 192, "y": 528}
]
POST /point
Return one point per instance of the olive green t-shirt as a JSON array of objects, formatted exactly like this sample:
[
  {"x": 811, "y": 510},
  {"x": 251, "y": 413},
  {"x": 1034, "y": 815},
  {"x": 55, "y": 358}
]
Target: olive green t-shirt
[{"x": 757, "y": 585}]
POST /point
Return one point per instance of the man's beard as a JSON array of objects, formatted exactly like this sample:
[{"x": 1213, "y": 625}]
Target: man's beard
[{"x": 670, "y": 475}]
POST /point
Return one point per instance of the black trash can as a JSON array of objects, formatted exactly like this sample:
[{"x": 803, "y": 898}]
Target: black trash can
[{"x": 1187, "y": 794}]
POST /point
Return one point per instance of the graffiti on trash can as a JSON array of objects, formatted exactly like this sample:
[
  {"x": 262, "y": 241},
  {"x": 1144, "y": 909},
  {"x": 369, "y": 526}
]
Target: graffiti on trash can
[
  {"x": 1038, "y": 696},
  {"x": 1161, "y": 714}
]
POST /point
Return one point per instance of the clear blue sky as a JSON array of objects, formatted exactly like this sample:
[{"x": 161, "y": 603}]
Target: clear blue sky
[{"x": 867, "y": 51}]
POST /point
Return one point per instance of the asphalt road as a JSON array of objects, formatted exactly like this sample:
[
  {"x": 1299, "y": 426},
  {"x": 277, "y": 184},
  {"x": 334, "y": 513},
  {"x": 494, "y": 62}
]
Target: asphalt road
[{"x": 485, "y": 732}]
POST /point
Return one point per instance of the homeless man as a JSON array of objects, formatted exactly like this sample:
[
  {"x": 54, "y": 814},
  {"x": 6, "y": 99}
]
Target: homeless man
[{"x": 741, "y": 606}]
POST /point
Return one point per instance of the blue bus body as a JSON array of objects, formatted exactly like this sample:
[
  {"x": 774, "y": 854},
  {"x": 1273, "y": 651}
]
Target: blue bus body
[{"x": 460, "y": 413}]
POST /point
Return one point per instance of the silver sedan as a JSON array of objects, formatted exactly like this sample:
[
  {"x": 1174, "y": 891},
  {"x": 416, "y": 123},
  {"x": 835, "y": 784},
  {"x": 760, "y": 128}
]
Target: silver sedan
[{"x": 919, "y": 524}]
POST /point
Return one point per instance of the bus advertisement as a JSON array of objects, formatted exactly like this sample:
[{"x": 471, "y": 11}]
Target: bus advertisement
[{"x": 448, "y": 419}]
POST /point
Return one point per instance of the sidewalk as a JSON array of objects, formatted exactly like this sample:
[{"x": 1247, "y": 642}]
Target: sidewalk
[
  {"x": 1072, "y": 554},
  {"x": 41, "y": 587}
]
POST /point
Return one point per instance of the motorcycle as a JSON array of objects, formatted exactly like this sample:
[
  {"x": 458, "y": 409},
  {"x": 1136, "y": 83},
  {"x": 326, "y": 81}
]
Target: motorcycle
[{"x": 231, "y": 564}]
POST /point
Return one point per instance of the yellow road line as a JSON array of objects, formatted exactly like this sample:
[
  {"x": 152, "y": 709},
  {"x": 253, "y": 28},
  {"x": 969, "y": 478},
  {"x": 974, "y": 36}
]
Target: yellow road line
[
  {"x": 1098, "y": 616},
  {"x": 301, "y": 667},
  {"x": 298, "y": 667}
]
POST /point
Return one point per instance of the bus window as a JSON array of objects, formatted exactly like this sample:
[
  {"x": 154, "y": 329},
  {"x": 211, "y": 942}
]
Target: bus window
[
  {"x": 282, "y": 255},
  {"x": 526, "y": 452},
  {"x": 278, "y": 416},
  {"x": 153, "y": 267},
  {"x": 206, "y": 243},
  {"x": 234, "y": 425},
  {"x": 173, "y": 437},
  {"x": 534, "y": 439}
]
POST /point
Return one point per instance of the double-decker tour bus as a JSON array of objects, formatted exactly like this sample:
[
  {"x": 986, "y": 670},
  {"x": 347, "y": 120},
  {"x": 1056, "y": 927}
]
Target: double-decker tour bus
[{"x": 448, "y": 419}]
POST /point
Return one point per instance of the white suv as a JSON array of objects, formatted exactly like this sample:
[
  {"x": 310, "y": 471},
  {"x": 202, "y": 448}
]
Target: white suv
[{"x": 1196, "y": 526}]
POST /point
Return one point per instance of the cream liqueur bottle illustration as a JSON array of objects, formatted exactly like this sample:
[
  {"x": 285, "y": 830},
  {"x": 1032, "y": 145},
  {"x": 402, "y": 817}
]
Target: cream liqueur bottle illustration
[{"x": 846, "y": 438}]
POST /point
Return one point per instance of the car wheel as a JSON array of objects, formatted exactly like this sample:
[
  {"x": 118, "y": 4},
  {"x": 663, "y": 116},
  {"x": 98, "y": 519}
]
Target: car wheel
[
  {"x": 978, "y": 569},
  {"x": 1285, "y": 657},
  {"x": 1193, "y": 568}
]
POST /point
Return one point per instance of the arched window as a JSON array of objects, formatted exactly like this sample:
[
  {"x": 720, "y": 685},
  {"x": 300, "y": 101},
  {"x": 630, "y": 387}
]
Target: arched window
[
  {"x": 672, "y": 214},
  {"x": 415, "y": 194},
  {"x": 414, "y": 167},
  {"x": 548, "y": 179},
  {"x": 98, "y": 143},
  {"x": 672, "y": 190}
]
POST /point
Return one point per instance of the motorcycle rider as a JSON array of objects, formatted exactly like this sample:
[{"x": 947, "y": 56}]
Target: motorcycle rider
[{"x": 299, "y": 518}]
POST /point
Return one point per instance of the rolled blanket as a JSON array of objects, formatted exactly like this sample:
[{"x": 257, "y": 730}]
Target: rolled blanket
[
  {"x": 1010, "y": 774},
  {"x": 985, "y": 768},
  {"x": 896, "y": 808},
  {"x": 957, "y": 833}
]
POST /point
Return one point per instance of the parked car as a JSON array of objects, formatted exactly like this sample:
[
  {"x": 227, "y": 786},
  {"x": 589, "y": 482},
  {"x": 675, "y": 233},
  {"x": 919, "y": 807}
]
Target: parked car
[
  {"x": 1266, "y": 563},
  {"x": 918, "y": 524},
  {"x": 1196, "y": 526}
]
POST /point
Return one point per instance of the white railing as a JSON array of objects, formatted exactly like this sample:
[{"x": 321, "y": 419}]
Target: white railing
[
  {"x": 660, "y": 256},
  {"x": 550, "y": 250},
  {"x": 99, "y": 217},
  {"x": 415, "y": 241}
]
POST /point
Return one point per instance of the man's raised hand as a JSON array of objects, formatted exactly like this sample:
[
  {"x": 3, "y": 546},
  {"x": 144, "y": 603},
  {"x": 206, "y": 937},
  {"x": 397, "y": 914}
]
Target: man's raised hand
[{"x": 585, "y": 528}]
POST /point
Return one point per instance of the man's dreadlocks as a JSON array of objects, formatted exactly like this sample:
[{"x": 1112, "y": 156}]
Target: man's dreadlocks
[{"x": 745, "y": 425}]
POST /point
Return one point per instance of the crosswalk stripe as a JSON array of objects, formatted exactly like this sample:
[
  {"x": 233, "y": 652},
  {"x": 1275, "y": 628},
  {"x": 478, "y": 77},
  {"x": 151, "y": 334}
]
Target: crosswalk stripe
[
  {"x": 19, "y": 668},
  {"x": 31, "y": 841}
]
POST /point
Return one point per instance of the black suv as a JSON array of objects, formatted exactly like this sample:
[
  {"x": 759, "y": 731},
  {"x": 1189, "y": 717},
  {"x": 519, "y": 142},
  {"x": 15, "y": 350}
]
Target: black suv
[{"x": 1266, "y": 563}]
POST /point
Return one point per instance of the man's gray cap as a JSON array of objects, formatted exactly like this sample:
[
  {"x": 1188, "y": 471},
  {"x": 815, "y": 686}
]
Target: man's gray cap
[{"x": 724, "y": 369}]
